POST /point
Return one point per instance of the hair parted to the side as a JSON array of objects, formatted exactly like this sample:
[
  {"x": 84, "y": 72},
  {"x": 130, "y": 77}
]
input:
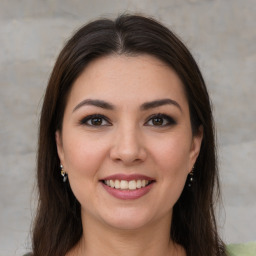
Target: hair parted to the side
[{"x": 58, "y": 226}]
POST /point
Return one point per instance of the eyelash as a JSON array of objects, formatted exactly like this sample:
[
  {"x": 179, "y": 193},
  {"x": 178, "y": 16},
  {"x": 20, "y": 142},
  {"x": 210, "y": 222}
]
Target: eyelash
[
  {"x": 85, "y": 120},
  {"x": 168, "y": 120}
]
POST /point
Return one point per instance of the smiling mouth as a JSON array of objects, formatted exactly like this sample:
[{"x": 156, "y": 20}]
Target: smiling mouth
[{"x": 127, "y": 185}]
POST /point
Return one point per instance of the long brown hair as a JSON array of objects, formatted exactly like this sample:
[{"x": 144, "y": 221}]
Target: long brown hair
[{"x": 58, "y": 224}]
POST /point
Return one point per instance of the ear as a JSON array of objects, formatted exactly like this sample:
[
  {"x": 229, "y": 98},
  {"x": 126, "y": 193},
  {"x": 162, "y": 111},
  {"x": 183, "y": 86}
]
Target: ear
[
  {"x": 59, "y": 145},
  {"x": 196, "y": 146}
]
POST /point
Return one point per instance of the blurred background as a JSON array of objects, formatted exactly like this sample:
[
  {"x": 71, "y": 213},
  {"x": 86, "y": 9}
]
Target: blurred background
[{"x": 221, "y": 34}]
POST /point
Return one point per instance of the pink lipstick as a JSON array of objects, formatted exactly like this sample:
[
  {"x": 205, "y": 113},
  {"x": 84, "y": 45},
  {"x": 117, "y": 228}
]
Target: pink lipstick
[{"x": 127, "y": 187}]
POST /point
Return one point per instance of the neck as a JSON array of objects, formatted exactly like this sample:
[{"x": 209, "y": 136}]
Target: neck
[{"x": 100, "y": 239}]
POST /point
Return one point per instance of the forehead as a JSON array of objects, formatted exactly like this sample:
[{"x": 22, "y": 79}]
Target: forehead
[{"x": 127, "y": 80}]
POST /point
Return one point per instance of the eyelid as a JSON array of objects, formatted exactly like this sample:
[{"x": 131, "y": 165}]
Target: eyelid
[
  {"x": 84, "y": 120},
  {"x": 170, "y": 120}
]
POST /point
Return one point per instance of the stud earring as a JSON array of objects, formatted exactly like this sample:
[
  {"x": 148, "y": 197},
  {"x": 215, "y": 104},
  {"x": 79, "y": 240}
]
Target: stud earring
[
  {"x": 191, "y": 178},
  {"x": 63, "y": 173}
]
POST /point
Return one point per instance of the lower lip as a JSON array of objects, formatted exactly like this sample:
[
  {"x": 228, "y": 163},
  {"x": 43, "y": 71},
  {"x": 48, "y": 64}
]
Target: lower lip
[{"x": 128, "y": 194}]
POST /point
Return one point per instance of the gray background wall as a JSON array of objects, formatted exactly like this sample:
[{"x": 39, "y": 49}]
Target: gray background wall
[{"x": 220, "y": 33}]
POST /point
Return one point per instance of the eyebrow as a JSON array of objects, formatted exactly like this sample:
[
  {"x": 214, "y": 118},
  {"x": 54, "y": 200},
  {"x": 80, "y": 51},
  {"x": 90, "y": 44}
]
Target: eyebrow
[
  {"x": 96, "y": 103},
  {"x": 145, "y": 106},
  {"x": 159, "y": 103}
]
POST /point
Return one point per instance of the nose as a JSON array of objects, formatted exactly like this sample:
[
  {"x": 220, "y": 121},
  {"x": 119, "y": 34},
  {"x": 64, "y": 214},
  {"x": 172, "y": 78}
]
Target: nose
[{"x": 128, "y": 146}]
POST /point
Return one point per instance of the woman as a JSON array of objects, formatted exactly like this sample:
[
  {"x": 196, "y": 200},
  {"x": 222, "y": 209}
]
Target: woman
[{"x": 126, "y": 160}]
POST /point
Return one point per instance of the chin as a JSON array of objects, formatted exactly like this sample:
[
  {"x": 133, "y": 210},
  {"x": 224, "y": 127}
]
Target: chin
[
  {"x": 125, "y": 225},
  {"x": 126, "y": 220}
]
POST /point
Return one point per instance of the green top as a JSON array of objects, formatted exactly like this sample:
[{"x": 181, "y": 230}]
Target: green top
[{"x": 247, "y": 249}]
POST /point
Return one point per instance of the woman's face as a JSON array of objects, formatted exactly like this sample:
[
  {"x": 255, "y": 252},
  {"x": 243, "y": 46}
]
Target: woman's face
[{"x": 126, "y": 141}]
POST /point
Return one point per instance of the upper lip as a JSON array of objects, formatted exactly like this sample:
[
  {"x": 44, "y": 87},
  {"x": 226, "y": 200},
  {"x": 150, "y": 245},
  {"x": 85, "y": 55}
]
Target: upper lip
[{"x": 128, "y": 177}]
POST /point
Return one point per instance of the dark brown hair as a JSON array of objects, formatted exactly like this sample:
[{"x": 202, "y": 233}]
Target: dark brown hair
[{"x": 58, "y": 224}]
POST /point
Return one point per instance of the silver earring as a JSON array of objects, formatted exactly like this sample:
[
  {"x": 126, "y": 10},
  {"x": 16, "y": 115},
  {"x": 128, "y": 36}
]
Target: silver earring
[
  {"x": 191, "y": 178},
  {"x": 63, "y": 173}
]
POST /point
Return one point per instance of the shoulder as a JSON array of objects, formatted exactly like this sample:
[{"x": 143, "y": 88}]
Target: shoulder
[{"x": 247, "y": 249}]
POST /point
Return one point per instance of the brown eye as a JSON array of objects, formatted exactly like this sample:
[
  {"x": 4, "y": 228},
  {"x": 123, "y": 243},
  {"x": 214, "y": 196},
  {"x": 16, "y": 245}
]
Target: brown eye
[
  {"x": 160, "y": 120},
  {"x": 96, "y": 121},
  {"x": 157, "y": 121}
]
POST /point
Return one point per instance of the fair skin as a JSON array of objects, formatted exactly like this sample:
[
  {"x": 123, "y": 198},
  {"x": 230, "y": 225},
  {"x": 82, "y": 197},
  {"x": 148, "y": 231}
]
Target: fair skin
[{"x": 142, "y": 128}]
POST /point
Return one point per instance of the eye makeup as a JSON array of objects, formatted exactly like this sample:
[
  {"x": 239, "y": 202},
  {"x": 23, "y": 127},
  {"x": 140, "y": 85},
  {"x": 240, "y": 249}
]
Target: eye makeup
[
  {"x": 156, "y": 120},
  {"x": 95, "y": 120},
  {"x": 160, "y": 120}
]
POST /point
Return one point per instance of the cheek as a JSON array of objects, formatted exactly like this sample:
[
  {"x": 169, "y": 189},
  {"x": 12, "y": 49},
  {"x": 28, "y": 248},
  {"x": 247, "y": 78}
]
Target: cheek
[
  {"x": 172, "y": 162},
  {"x": 173, "y": 155},
  {"x": 83, "y": 156}
]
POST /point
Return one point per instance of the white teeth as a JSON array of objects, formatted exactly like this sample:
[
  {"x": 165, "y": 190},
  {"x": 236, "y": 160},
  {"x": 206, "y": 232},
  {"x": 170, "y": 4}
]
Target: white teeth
[
  {"x": 117, "y": 184},
  {"x": 112, "y": 183},
  {"x": 138, "y": 183},
  {"x": 126, "y": 185},
  {"x": 132, "y": 184}
]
